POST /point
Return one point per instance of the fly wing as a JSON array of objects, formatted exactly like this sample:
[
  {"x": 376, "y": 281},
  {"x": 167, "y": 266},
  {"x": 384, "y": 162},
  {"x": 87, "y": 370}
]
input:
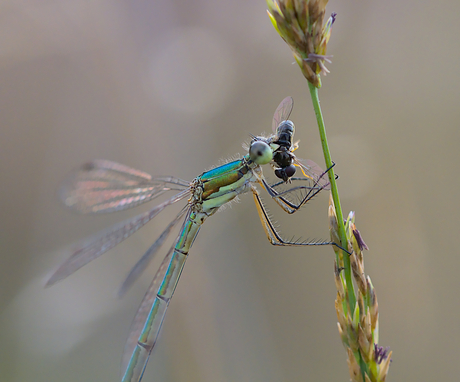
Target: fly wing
[
  {"x": 95, "y": 246},
  {"x": 282, "y": 112},
  {"x": 311, "y": 170},
  {"x": 104, "y": 186}
]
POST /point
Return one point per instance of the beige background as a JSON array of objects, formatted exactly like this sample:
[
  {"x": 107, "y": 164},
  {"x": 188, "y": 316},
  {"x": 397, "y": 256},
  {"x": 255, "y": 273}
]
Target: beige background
[{"x": 171, "y": 88}]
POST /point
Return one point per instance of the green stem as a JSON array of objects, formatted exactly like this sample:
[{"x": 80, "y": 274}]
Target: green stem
[
  {"x": 338, "y": 210},
  {"x": 335, "y": 196}
]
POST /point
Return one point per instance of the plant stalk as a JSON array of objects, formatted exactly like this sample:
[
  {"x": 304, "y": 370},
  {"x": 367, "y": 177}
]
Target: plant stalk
[{"x": 335, "y": 195}]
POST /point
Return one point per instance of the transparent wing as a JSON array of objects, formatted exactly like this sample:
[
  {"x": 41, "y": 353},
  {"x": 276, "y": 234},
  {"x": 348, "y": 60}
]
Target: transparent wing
[
  {"x": 311, "y": 170},
  {"x": 104, "y": 186},
  {"x": 95, "y": 246},
  {"x": 139, "y": 267},
  {"x": 282, "y": 112},
  {"x": 149, "y": 318},
  {"x": 142, "y": 313}
]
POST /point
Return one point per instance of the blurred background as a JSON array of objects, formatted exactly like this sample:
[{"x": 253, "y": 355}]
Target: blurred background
[{"x": 174, "y": 87}]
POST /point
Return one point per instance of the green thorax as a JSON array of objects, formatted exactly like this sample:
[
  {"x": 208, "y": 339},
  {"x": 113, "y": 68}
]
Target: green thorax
[{"x": 228, "y": 178}]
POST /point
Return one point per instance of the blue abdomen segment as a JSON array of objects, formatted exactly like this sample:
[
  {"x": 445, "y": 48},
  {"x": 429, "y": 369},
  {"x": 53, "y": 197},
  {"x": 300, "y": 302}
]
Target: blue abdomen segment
[
  {"x": 221, "y": 170},
  {"x": 228, "y": 180}
]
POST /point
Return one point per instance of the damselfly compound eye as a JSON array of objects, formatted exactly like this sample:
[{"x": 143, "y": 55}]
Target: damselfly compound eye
[{"x": 260, "y": 152}]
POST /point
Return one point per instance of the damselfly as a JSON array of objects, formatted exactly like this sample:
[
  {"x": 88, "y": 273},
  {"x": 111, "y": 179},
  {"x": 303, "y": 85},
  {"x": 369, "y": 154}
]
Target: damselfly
[{"x": 104, "y": 186}]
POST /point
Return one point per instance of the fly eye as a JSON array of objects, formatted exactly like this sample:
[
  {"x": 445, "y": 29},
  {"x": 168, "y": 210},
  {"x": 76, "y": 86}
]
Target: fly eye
[
  {"x": 290, "y": 170},
  {"x": 286, "y": 172},
  {"x": 260, "y": 152}
]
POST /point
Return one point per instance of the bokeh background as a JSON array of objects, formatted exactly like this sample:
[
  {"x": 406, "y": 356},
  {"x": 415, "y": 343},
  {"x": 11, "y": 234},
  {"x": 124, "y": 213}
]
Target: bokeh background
[{"x": 172, "y": 87}]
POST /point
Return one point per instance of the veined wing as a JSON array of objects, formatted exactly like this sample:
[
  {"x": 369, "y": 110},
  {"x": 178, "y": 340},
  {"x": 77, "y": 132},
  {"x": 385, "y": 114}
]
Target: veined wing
[
  {"x": 104, "y": 186},
  {"x": 139, "y": 267},
  {"x": 95, "y": 246},
  {"x": 311, "y": 170},
  {"x": 149, "y": 318},
  {"x": 282, "y": 112}
]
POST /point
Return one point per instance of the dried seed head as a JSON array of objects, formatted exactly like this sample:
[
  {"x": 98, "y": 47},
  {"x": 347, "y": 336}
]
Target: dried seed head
[
  {"x": 364, "y": 345},
  {"x": 340, "y": 314},
  {"x": 300, "y": 25},
  {"x": 358, "y": 273},
  {"x": 384, "y": 366},
  {"x": 333, "y": 225},
  {"x": 338, "y": 281},
  {"x": 367, "y": 325},
  {"x": 343, "y": 335},
  {"x": 373, "y": 305},
  {"x": 358, "y": 328},
  {"x": 362, "y": 245},
  {"x": 353, "y": 367}
]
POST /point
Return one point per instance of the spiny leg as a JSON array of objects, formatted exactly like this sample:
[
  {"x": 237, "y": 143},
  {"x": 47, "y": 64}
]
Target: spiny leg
[
  {"x": 286, "y": 204},
  {"x": 272, "y": 234}
]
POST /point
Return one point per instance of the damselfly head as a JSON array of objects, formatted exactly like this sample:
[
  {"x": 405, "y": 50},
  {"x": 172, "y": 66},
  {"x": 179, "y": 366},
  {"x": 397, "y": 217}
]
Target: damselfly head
[{"x": 260, "y": 152}]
